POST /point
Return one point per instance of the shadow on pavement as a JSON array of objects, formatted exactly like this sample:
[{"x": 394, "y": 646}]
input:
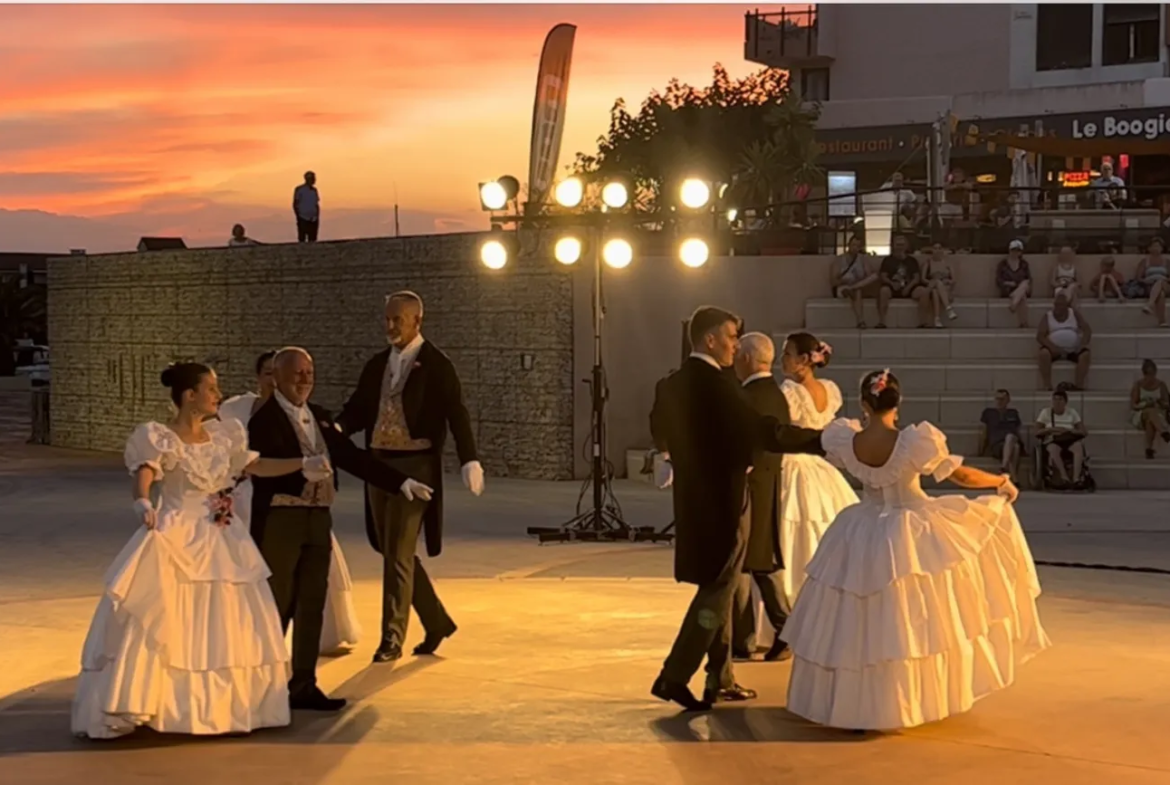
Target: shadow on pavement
[{"x": 742, "y": 724}]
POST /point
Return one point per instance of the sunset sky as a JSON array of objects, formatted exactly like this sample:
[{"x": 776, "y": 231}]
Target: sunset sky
[{"x": 117, "y": 121}]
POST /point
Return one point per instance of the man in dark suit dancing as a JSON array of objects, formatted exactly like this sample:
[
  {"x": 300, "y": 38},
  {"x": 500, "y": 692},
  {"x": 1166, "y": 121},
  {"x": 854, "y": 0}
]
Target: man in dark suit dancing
[
  {"x": 764, "y": 560},
  {"x": 702, "y": 419},
  {"x": 291, "y": 520},
  {"x": 407, "y": 397}
]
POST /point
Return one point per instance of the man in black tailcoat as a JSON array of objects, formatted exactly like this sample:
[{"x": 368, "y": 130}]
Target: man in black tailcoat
[
  {"x": 764, "y": 561},
  {"x": 407, "y": 397},
  {"x": 291, "y": 519},
  {"x": 702, "y": 419}
]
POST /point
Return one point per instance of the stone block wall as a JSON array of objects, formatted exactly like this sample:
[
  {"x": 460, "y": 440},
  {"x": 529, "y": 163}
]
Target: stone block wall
[{"x": 115, "y": 321}]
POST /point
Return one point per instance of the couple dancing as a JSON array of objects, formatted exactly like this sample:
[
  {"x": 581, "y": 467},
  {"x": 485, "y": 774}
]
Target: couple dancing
[
  {"x": 912, "y": 608},
  {"x": 189, "y": 636}
]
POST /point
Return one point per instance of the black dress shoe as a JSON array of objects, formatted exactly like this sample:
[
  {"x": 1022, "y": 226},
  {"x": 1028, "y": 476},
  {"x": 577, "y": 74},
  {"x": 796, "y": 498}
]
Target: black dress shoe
[
  {"x": 313, "y": 699},
  {"x": 431, "y": 643},
  {"x": 678, "y": 693},
  {"x": 729, "y": 694},
  {"x": 741, "y": 655},
  {"x": 388, "y": 652},
  {"x": 779, "y": 652}
]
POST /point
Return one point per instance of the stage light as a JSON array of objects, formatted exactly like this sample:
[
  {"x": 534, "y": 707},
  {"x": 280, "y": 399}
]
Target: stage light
[
  {"x": 567, "y": 250},
  {"x": 732, "y": 214},
  {"x": 615, "y": 195},
  {"x": 695, "y": 194},
  {"x": 617, "y": 253},
  {"x": 492, "y": 196},
  {"x": 493, "y": 254},
  {"x": 570, "y": 192},
  {"x": 694, "y": 252}
]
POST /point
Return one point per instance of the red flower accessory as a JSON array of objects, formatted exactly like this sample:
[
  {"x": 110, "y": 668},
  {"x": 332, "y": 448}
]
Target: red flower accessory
[
  {"x": 879, "y": 382},
  {"x": 221, "y": 506}
]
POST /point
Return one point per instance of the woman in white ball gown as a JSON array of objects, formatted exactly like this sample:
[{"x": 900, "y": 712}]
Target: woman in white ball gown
[
  {"x": 186, "y": 637},
  {"x": 813, "y": 491},
  {"x": 914, "y": 606},
  {"x": 340, "y": 629}
]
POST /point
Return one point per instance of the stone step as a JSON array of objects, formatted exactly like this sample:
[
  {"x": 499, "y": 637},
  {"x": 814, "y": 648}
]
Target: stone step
[
  {"x": 959, "y": 410},
  {"x": 885, "y": 346},
  {"x": 973, "y": 376},
  {"x": 824, "y": 314},
  {"x": 1109, "y": 444}
]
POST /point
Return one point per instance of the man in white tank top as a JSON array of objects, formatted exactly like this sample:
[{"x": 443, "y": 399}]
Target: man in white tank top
[{"x": 1064, "y": 334}]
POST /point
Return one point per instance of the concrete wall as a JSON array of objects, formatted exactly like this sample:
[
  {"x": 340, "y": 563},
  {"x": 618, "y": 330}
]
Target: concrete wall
[{"x": 115, "y": 321}]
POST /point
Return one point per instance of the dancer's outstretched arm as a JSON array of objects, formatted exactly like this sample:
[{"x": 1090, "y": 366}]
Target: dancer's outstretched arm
[{"x": 977, "y": 479}]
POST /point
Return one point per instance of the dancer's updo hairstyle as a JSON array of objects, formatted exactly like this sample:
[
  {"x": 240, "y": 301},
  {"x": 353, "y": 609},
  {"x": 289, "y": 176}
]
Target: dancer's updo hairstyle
[
  {"x": 819, "y": 353},
  {"x": 182, "y": 377},
  {"x": 881, "y": 391}
]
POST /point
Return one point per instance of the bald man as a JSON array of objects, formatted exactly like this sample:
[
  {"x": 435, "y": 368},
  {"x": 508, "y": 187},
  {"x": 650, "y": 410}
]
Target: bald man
[
  {"x": 407, "y": 398},
  {"x": 291, "y": 519},
  {"x": 764, "y": 560}
]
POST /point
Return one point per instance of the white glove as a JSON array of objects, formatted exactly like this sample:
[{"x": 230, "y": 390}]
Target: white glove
[
  {"x": 473, "y": 477},
  {"x": 663, "y": 471},
  {"x": 317, "y": 468},
  {"x": 145, "y": 512},
  {"x": 413, "y": 489},
  {"x": 1008, "y": 490}
]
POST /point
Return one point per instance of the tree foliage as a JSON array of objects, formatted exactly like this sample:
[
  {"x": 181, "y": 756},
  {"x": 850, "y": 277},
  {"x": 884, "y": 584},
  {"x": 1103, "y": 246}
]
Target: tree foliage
[{"x": 749, "y": 132}]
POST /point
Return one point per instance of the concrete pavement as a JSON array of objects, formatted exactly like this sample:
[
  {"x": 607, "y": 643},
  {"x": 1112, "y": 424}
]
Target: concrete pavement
[{"x": 547, "y": 679}]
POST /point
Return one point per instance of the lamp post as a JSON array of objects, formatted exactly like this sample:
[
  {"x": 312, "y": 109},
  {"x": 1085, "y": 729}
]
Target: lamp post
[{"x": 601, "y": 236}]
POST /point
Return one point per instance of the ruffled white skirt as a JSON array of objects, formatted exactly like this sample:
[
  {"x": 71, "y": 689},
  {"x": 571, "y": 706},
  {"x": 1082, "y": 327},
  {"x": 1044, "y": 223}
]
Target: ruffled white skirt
[
  {"x": 180, "y": 654},
  {"x": 911, "y": 614},
  {"x": 813, "y": 493}
]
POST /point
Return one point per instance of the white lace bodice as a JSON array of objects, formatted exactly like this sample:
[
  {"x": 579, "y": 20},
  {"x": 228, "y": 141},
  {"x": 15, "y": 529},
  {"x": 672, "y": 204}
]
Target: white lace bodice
[
  {"x": 189, "y": 473},
  {"x": 803, "y": 409},
  {"x": 920, "y": 449}
]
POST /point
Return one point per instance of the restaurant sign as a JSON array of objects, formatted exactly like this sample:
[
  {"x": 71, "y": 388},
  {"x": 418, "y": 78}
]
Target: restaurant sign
[{"x": 861, "y": 145}]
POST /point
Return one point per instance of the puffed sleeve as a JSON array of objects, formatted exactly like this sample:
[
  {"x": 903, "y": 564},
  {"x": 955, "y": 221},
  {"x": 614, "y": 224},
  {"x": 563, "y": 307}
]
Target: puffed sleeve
[
  {"x": 837, "y": 439},
  {"x": 927, "y": 452},
  {"x": 236, "y": 435},
  {"x": 152, "y": 445}
]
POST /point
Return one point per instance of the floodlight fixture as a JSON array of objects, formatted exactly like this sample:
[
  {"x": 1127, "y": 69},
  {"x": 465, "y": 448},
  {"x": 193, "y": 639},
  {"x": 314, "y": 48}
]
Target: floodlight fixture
[
  {"x": 695, "y": 194},
  {"x": 569, "y": 192},
  {"x": 567, "y": 250},
  {"x": 694, "y": 252},
  {"x": 617, "y": 253}
]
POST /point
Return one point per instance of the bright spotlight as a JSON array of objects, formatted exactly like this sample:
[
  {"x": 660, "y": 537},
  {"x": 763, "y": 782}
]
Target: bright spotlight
[
  {"x": 493, "y": 254},
  {"x": 694, "y": 252},
  {"x": 615, "y": 195},
  {"x": 732, "y": 214},
  {"x": 567, "y": 249},
  {"x": 695, "y": 193},
  {"x": 617, "y": 254},
  {"x": 569, "y": 193},
  {"x": 492, "y": 196}
]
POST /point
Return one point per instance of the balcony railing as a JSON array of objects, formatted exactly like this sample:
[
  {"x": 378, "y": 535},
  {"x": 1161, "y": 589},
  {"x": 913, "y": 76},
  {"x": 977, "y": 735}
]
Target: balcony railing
[{"x": 781, "y": 38}]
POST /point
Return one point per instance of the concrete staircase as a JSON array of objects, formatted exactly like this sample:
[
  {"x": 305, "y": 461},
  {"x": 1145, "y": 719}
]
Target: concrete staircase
[{"x": 950, "y": 375}]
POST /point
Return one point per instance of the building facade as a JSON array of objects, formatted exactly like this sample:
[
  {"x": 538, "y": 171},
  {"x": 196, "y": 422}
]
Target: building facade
[{"x": 884, "y": 73}]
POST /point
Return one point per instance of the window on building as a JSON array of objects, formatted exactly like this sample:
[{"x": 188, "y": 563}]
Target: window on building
[
  {"x": 814, "y": 84},
  {"x": 1131, "y": 33},
  {"x": 1064, "y": 36}
]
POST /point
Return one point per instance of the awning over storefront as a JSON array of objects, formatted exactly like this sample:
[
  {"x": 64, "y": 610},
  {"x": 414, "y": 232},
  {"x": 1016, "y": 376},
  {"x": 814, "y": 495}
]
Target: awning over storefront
[{"x": 1075, "y": 148}]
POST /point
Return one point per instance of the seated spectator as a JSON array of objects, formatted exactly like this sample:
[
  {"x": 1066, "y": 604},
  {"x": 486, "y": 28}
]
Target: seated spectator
[
  {"x": 1061, "y": 434},
  {"x": 1014, "y": 281},
  {"x": 999, "y": 433},
  {"x": 1109, "y": 189},
  {"x": 1150, "y": 401},
  {"x": 901, "y": 278},
  {"x": 1064, "y": 334},
  {"x": 239, "y": 237},
  {"x": 853, "y": 278},
  {"x": 1108, "y": 282},
  {"x": 940, "y": 283},
  {"x": 1150, "y": 281},
  {"x": 1064, "y": 275}
]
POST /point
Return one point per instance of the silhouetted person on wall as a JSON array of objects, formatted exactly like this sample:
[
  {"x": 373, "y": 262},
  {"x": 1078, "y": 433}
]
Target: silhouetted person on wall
[{"x": 307, "y": 209}]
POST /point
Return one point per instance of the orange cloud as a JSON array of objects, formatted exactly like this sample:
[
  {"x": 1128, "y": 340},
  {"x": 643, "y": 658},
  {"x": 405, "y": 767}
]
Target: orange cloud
[{"x": 109, "y": 109}]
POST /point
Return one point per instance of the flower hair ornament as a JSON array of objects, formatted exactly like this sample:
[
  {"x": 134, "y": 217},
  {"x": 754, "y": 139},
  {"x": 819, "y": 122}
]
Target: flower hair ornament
[
  {"x": 879, "y": 382},
  {"x": 820, "y": 354}
]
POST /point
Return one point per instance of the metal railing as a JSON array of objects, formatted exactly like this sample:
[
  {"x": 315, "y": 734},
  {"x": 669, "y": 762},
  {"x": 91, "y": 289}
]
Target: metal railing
[
  {"x": 970, "y": 218},
  {"x": 780, "y": 34}
]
